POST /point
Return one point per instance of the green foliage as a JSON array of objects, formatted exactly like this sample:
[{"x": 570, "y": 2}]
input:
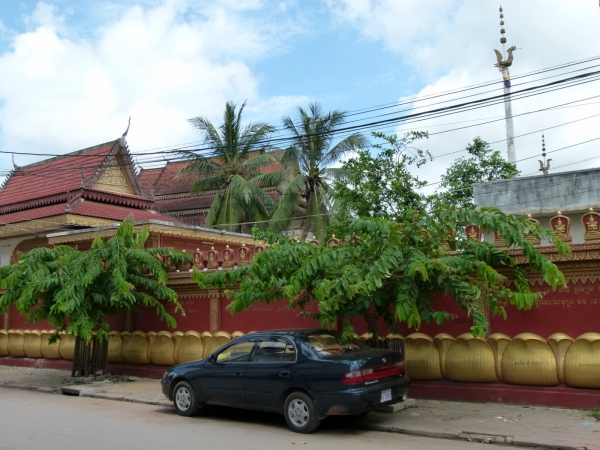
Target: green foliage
[
  {"x": 76, "y": 291},
  {"x": 306, "y": 179},
  {"x": 594, "y": 413},
  {"x": 484, "y": 165},
  {"x": 382, "y": 186},
  {"x": 393, "y": 269},
  {"x": 237, "y": 155}
]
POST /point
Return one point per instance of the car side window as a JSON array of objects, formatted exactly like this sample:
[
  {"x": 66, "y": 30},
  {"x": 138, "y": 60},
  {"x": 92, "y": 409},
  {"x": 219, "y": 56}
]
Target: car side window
[
  {"x": 274, "y": 350},
  {"x": 237, "y": 353}
]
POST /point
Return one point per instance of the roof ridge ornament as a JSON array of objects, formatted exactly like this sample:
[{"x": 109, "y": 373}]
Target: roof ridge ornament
[
  {"x": 544, "y": 166},
  {"x": 122, "y": 139}
]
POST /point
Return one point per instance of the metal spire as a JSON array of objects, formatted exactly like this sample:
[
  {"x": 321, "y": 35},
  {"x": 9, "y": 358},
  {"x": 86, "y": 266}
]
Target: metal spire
[
  {"x": 544, "y": 166},
  {"x": 503, "y": 65}
]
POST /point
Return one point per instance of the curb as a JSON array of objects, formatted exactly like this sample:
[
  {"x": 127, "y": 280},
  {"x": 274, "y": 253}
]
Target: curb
[
  {"x": 129, "y": 400},
  {"x": 467, "y": 436}
]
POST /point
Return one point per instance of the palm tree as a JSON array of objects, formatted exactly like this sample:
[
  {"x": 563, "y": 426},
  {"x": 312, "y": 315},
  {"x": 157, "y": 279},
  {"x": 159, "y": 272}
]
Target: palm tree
[
  {"x": 237, "y": 155},
  {"x": 304, "y": 182}
]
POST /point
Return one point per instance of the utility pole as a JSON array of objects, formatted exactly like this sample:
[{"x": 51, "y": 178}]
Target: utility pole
[{"x": 503, "y": 65}]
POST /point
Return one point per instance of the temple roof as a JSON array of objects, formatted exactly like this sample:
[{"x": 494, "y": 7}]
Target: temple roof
[{"x": 106, "y": 169}]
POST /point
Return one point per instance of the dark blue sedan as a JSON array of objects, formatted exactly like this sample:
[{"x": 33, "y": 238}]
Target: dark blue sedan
[{"x": 305, "y": 374}]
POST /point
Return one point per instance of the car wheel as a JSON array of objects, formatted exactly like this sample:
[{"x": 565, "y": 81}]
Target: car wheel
[
  {"x": 184, "y": 399},
  {"x": 300, "y": 413}
]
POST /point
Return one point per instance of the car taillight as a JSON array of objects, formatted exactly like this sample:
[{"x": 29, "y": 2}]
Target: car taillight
[
  {"x": 354, "y": 377},
  {"x": 373, "y": 373}
]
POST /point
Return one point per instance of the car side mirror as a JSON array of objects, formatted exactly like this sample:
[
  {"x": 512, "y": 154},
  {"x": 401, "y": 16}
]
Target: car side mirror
[{"x": 212, "y": 359}]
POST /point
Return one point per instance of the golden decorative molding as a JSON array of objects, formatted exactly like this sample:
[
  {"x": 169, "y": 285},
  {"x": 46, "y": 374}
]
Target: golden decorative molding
[
  {"x": 202, "y": 235},
  {"x": 214, "y": 314},
  {"x": 115, "y": 179}
]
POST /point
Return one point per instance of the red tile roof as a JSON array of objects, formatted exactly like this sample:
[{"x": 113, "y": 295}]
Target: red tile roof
[
  {"x": 148, "y": 177},
  {"x": 169, "y": 183},
  {"x": 54, "y": 176},
  {"x": 32, "y": 214},
  {"x": 114, "y": 212}
]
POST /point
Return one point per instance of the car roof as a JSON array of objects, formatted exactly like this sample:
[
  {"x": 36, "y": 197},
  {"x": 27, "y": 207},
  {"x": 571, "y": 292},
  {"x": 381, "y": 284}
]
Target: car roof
[{"x": 293, "y": 331}]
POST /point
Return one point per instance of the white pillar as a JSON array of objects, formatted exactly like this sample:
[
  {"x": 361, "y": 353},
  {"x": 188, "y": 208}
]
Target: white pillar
[{"x": 510, "y": 129}]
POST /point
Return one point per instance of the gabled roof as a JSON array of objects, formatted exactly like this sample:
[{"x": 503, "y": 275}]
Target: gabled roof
[{"x": 106, "y": 167}]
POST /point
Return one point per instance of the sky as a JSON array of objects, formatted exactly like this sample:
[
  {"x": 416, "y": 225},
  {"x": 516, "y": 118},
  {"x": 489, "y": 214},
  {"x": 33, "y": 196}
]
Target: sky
[{"x": 73, "y": 71}]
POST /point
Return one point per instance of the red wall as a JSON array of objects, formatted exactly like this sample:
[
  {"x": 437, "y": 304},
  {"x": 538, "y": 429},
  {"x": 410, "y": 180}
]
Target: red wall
[
  {"x": 197, "y": 317},
  {"x": 574, "y": 310},
  {"x": 264, "y": 316}
]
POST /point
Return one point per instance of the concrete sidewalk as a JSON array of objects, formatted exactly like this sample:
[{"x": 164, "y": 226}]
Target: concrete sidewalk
[{"x": 551, "y": 428}]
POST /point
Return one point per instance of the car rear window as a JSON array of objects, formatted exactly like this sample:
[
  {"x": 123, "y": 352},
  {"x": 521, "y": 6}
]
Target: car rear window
[{"x": 333, "y": 344}]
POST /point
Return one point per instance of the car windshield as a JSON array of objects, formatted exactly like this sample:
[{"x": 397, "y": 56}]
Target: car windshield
[{"x": 332, "y": 344}]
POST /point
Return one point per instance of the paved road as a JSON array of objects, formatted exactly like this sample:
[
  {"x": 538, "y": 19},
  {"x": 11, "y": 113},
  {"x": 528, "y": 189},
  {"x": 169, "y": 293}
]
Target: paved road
[{"x": 35, "y": 420}]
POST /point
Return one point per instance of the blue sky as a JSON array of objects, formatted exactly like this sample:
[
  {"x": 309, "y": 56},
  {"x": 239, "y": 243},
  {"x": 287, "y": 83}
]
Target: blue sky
[{"x": 72, "y": 71}]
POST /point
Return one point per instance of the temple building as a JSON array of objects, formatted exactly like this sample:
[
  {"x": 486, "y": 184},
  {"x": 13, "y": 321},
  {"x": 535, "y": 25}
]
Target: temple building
[{"x": 548, "y": 355}]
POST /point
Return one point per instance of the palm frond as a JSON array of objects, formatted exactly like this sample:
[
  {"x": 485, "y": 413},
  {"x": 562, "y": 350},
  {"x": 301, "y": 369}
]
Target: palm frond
[
  {"x": 352, "y": 143},
  {"x": 207, "y": 184},
  {"x": 288, "y": 203}
]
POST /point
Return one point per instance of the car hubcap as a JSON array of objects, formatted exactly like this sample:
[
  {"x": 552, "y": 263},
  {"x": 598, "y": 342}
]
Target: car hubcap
[
  {"x": 183, "y": 398},
  {"x": 298, "y": 413}
]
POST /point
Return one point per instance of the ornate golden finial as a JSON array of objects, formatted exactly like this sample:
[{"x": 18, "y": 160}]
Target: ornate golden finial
[
  {"x": 591, "y": 209},
  {"x": 184, "y": 251},
  {"x": 333, "y": 236},
  {"x": 559, "y": 213},
  {"x": 197, "y": 249},
  {"x": 529, "y": 216},
  {"x": 502, "y": 39},
  {"x": 227, "y": 246},
  {"x": 544, "y": 166},
  {"x": 212, "y": 248}
]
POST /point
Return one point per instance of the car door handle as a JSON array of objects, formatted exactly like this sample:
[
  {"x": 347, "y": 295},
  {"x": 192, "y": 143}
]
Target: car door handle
[
  {"x": 237, "y": 374},
  {"x": 284, "y": 374}
]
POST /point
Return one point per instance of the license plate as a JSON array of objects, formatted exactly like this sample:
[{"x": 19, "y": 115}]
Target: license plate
[{"x": 386, "y": 395}]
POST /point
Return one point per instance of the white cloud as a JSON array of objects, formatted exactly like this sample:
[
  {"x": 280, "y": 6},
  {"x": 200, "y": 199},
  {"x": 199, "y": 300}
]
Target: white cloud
[
  {"x": 161, "y": 64},
  {"x": 449, "y": 45}
]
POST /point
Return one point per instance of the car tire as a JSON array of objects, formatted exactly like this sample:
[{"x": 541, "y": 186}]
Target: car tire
[
  {"x": 184, "y": 399},
  {"x": 300, "y": 412}
]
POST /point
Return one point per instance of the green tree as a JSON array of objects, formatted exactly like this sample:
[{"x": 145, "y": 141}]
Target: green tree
[
  {"x": 306, "y": 178},
  {"x": 382, "y": 185},
  {"x": 393, "y": 270},
  {"x": 484, "y": 165},
  {"x": 237, "y": 154},
  {"x": 77, "y": 291}
]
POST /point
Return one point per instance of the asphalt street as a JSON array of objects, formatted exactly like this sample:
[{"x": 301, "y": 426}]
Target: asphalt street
[{"x": 34, "y": 420}]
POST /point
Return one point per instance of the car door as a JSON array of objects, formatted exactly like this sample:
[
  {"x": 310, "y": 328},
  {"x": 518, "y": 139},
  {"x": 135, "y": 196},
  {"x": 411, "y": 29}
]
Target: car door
[
  {"x": 269, "y": 372},
  {"x": 221, "y": 379}
]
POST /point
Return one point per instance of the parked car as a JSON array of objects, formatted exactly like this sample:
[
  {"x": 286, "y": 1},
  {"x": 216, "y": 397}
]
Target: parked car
[{"x": 307, "y": 375}]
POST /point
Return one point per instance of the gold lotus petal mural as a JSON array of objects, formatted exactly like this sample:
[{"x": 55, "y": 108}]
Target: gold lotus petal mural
[
  {"x": 443, "y": 342},
  {"x": 529, "y": 360},
  {"x": 471, "y": 360},
  {"x": 135, "y": 351},
  {"x": 422, "y": 358},
  {"x": 66, "y": 346},
  {"x": 560, "y": 344},
  {"x": 4, "y": 343},
  {"x": 32, "y": 344},
  {"x": 582, "y": 362},
  {"x": 16, "y": 340},
  {"x": 162, "y": 349},
  {"x": 189, "y": 347},
  {"x": 49, "y": 351},
  {"x": 115, "y": 347},
  {"x": 498, "y": 343}
]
